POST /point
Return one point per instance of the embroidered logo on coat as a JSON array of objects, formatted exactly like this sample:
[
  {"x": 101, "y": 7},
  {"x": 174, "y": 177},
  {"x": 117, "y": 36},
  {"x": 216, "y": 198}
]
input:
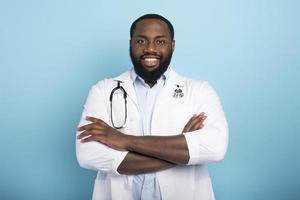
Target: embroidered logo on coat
[{"x": 178, "y": 92}]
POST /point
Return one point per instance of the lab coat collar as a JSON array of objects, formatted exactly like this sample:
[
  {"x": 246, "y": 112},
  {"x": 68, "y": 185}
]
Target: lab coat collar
[{"x": 172, "y": 81}]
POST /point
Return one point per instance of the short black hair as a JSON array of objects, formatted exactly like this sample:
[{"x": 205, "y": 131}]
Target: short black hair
[{"x": 152, "y": 16}]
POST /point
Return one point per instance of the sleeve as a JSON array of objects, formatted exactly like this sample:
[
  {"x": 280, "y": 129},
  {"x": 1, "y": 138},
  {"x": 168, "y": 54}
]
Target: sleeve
[
  {"x": 208, "y": 144},
  {"x": 94, "y": 155}
]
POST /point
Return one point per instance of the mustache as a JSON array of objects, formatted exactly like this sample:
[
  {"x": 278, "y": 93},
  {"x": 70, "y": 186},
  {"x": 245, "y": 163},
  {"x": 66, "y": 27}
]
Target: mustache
[{"x": 155, "y": 55}]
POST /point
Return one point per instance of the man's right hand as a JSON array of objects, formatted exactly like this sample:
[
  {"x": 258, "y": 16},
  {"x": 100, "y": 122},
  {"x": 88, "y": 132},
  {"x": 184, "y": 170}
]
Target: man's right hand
[{"x": 195, "y": 123}]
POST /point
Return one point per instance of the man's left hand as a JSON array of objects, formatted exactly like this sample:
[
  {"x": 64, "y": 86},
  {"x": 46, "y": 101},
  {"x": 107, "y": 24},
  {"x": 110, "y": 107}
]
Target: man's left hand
[{"x": 99, "y": 131}]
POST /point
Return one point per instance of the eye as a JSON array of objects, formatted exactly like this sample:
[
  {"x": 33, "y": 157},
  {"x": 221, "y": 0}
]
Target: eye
[
  {"x": 160, "y": 42},
  {"x": 140, "y": 41}
]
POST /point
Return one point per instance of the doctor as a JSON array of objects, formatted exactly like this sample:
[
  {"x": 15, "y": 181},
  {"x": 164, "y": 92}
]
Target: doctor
[{"x": 149, "y": 133}]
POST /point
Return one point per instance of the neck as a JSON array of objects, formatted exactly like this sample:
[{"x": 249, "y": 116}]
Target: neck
[{"x": 150, "y": 83}]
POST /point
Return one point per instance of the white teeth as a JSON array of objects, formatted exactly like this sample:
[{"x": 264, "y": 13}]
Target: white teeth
[
  {"x": 150, "y": 62},
  {"x": 150, "y": 59}
]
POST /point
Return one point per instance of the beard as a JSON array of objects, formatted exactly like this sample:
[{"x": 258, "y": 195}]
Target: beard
[{"x": 150, "y": 76}]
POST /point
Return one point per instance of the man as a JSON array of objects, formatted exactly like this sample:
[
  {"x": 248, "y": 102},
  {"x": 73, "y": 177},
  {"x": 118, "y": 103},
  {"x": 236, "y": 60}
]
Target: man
[{"x": 150, "y": 132}]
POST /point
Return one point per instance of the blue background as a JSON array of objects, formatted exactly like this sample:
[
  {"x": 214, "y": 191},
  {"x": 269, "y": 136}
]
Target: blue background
[{"x": 52, "y": 52}]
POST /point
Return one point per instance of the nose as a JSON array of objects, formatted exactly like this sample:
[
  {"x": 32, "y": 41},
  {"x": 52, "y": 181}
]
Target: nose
[{"x": 150, "y": 48}]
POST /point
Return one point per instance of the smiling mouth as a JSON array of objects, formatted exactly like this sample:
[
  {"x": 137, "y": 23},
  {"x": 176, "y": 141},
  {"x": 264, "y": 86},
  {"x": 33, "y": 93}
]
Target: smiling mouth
[{"x": 150, "y": 61}]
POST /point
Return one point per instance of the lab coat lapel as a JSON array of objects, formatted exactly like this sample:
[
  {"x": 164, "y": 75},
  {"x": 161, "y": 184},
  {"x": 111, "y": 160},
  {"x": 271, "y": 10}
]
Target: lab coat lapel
[{"x": 171, "y": 84}]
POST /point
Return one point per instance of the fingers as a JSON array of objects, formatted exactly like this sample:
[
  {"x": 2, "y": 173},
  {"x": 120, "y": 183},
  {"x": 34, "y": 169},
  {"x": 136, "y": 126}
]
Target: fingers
[
  {"x": 195, "y": 123},
  {"x": 198, "y": 122},
  {"x": 97, "y": 123},
  {"x": 93, "y": 119},
  {"x": 88, "y": 139},
  {"x": 91, "y": 126},
  {"x": 187, "y": 126},
  {"x": 197, "y": 126},
  {"x": 97, "y": 138},
  {"x": 87, "y": 133},
  {"x": 92, "y": 131},
  {"x": 83, "y": 134}
]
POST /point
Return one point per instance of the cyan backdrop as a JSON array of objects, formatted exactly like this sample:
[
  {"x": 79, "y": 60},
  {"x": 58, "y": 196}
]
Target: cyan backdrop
[{"x": 52, "y": 52}]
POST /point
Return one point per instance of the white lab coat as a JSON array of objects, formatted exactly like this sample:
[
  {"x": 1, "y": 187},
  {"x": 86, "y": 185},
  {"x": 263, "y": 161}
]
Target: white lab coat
[{"x": 170, "y": 115}]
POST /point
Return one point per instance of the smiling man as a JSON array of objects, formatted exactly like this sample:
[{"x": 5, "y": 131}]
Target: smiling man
[
  {"x": 149, "y": 133},
  {"x": 151, "y": 48}
]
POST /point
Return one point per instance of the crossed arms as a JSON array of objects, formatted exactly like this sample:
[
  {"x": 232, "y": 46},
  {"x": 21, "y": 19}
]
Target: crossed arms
[
  {"x": 146, "y": 153},
  {"x": 100, "y": 147}
]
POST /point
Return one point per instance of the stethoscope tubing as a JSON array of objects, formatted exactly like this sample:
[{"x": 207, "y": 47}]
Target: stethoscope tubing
[{"x": 111, "y": 105}]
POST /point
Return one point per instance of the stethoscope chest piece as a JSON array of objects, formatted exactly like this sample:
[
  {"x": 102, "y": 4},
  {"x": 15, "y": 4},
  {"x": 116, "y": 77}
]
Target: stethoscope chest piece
[{"x": 178, "y": 92}]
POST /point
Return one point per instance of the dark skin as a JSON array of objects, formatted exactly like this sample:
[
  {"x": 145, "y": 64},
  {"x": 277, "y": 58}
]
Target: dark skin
[
  {"x": 152, "y": 36},
  {"x": 146, "y": 153}
]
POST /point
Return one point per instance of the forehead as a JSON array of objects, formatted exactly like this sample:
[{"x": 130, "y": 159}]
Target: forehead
[{"x": 151, "y": 27}]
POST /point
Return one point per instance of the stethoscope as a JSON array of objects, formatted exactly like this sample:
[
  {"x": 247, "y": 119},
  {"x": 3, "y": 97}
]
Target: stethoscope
[
  {"x": 118, "y": 87},
  {"x": 178, "y": 93}
]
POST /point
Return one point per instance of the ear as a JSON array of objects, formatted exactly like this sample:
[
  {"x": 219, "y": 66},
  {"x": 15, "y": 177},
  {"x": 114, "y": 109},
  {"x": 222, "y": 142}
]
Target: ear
[{"x": 173, "y": 45}]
